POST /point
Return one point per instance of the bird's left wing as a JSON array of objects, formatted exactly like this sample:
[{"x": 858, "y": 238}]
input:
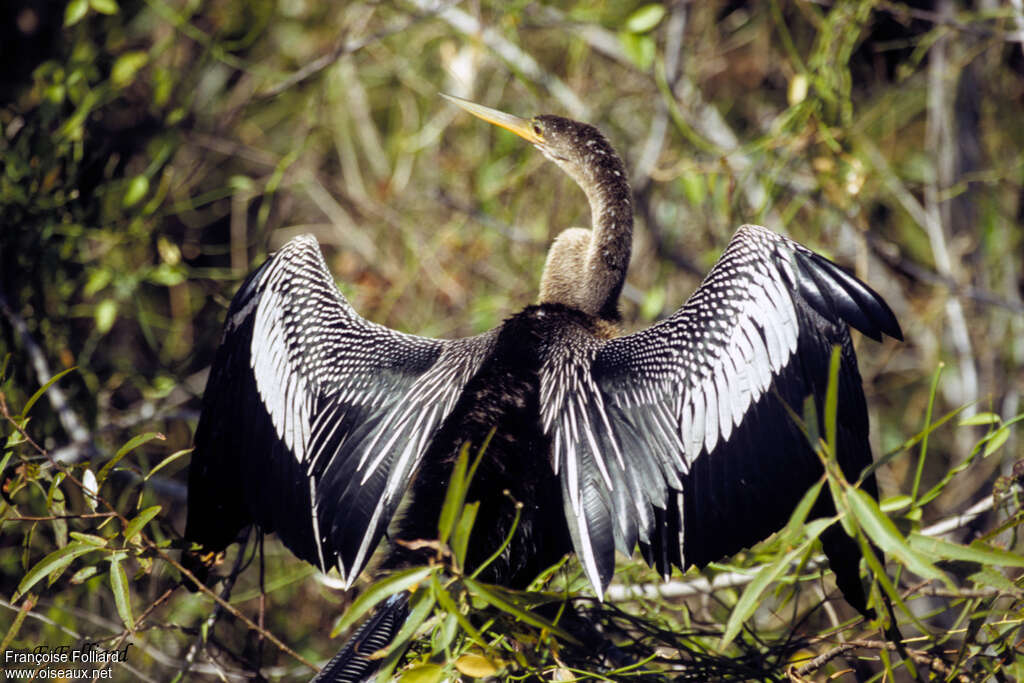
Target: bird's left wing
[
  {"x": 314, "y": 419},
  {"x": 686, "y": 418}
]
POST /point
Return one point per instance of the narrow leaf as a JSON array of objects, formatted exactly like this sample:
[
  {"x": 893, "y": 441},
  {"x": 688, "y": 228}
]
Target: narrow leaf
[
  {"x": 996, "y": 441},
  {"x": 142, "y": 519},
  {"x": 132, "y": 444},
  {"x": 396, "y": 583},
  {"x": 490, "y": 595},
  {"x": 979, "y": 419},
  {"x": 978, "y": 551},
  {"x": 886, "y": 536},
  {"x": 751, "y": 598},
  {"x": 454, "y": 496},
  {"x": 89, "y": 539},
  {"x": 168, "y": 460},
  {"x": 43, "y": 389},
  {"x": 122, "y": 599},
  {"x": 54, "y": 563}
]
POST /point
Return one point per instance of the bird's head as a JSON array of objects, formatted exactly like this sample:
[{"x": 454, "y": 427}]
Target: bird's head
[
  {"x": 577, "y": 148},
  {"x": 585, "y": 269}
]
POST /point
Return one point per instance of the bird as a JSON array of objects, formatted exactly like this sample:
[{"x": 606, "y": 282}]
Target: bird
[{"x": 676, "y": 440}]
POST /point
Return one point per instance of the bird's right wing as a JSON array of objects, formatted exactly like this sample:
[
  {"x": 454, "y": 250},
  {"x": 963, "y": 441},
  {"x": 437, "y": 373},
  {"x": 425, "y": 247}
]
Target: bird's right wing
[
  {"x": 677, "y": 437},
  {"x": 314, "y": 419}
]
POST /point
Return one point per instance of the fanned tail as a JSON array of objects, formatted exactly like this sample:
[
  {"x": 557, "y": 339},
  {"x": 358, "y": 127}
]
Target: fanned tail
[{"x": 353, "y": 663}]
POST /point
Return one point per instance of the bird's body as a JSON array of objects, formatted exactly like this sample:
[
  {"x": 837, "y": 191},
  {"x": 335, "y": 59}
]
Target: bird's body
[{"x": 675, "y": 439}]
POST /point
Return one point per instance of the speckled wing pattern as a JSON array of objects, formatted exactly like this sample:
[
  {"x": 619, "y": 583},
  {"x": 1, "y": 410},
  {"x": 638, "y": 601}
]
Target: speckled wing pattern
[
  {"x": 632, "y": 419},
  {"x": 318, "y": 410}
]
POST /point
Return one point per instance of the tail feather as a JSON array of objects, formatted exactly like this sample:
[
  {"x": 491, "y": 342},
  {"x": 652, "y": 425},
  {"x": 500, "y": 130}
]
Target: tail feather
[{"x": 353, "y": 662}]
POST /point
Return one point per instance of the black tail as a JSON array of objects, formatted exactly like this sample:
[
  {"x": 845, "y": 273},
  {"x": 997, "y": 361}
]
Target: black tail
[{"x": 353, "y": 664}]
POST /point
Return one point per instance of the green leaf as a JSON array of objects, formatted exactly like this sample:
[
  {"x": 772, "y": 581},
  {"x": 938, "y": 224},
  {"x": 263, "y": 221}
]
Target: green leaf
[
  {"x": 639, "y": 48},
  {"x": 894, "y": 503},
  {"x": 476, "y": 666},
  {"x": 83, "y": 574},
  {"x": 168, "y": 460},
  {"x": 996, "y": 441},
  {"x": 506, "y": 603},
  {"x": 421, "y": 605},
  {"x": 132, "y": 444},
  {"x": 977, "y": 551},
  {"x": 832, "y": 400},
  {"x": 991, "y": 577},
  {"x": 75, "y": 11},
  {"x": 43, "y": 389},
  {"x": 694, "y": 187},
  {"x": 53, "y": 564},
  {"x": 463, "y": 529},
  {"x": 444, "y": 599},
  {"x": 886, "y": 536},
  {"x": 137, "y": 189},
  {"x": 89, "y": 539},
  {"x": 105, "y": 314},
  {"x": 122, "y": 74},
  {"x": 751, "y": 598},
  {"x": 119, "y": 585},
  {"x": 980, "y": 419},
  {"x": 396, "y": 583},
  {"x": 645, "y": 18},
  {"x": 795, "y": 525},
  {"x": 454, "y": 496},
  {"x": 424, "y": 673},
  {"x": 142, "y": 519},
  {"x": 104, "y": 6}
]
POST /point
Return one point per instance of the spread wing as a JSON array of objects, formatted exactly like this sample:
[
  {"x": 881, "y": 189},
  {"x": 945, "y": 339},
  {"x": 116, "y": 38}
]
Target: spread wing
[
  {"x": 677, "y": 438},
  {"x": 313, "y": 418}
]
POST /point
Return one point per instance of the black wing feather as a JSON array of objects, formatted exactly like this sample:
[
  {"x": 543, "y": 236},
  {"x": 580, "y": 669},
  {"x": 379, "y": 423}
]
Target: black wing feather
[
  {"x": 314, "y": 419},
  {"x": 696, "y": 405}
]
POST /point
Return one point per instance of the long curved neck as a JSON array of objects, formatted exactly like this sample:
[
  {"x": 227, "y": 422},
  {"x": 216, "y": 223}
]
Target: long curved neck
[
  {"x": 586, "y": 269},
  {"x": 611, "y": 241}
]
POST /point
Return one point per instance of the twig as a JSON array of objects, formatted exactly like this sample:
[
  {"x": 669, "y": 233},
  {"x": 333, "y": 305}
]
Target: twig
[
  {"x": 513, "y": 54},
  {"x": 934, "y": 662},
  {"x": 68, "y": 419},
  {"x": 939, "y": 139},
  {"x": 344, "y": 47},
  {"x": 701, "y": 586}
]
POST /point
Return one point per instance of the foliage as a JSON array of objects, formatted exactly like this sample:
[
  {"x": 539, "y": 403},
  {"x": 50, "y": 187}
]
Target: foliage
[{"x": 153, "y": 150}]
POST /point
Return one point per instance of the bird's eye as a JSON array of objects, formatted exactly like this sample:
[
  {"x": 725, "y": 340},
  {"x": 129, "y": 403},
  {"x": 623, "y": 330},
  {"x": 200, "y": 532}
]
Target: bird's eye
[{"x": 537, "y": 130}]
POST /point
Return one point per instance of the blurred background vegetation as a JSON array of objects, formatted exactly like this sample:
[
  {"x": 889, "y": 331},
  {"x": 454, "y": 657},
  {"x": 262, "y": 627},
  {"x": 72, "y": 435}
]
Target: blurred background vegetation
[{"x": 154, "y": 151}]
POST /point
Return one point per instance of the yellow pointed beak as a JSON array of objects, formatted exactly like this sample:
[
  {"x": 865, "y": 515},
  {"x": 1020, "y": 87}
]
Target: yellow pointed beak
[{"x": 521, "y": 127}]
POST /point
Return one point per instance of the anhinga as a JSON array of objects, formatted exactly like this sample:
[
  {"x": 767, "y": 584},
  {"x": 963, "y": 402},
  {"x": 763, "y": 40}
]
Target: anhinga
[{"x": 317, "y": 422}]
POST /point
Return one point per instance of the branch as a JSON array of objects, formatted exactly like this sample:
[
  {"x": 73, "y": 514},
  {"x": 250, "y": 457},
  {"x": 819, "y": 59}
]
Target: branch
[{"x": 68, "y": 419}]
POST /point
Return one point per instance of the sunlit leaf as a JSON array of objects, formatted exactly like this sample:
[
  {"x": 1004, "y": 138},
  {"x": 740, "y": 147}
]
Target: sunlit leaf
[
  {"x": 980, "y": 419},
  {"x": 381, "y": 590},
  {"x": 476, "y": 666},
  {"x": 423, "y": 673},
  {"x": 121, "y": 74},
  {"x": 75, "y": 11},
  {"x": 886, "y": 536},
  {"x": 104, "y": 6},
  {"x": 136, "y": 190},
  {"x": 996, "y": 441},
  {"x": 645, "y": 18}
]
